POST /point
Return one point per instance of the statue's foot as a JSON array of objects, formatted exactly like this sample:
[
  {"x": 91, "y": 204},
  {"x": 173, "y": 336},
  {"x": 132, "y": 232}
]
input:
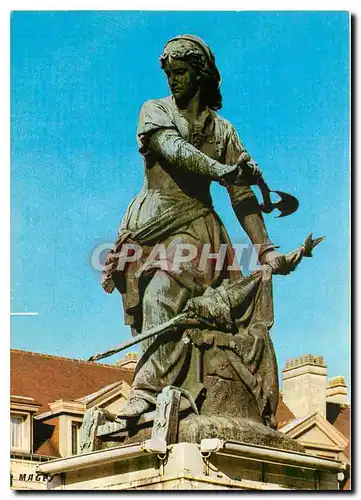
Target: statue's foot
[{"x": 134, "y": 408}]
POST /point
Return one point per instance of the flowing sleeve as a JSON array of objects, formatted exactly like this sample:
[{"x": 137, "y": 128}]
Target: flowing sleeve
[{"x": 154, "y": 116}]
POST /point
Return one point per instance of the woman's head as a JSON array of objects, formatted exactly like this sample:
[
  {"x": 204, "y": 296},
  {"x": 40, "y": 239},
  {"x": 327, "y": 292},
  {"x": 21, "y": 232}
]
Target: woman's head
[{"x": 189, "y": 65}]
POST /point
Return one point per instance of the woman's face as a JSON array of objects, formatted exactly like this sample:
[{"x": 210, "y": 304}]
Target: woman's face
[{"x": 183, "y": 80}]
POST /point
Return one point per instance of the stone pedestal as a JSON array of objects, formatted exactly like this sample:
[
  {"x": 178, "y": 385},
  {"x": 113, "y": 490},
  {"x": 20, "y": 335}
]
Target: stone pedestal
[{"x": 211, "y": 464}]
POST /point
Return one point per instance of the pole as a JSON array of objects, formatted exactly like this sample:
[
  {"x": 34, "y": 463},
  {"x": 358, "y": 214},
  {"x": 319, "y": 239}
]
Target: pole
[{"x": 163, "y": 328}]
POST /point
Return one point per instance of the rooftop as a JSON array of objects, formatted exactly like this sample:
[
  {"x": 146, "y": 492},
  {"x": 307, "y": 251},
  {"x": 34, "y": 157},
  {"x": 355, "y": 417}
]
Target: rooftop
[{"x": 47, "y": 378}]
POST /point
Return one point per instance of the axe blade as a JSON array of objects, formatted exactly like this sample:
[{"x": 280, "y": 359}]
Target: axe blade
[{"x": 287, "y": 205}]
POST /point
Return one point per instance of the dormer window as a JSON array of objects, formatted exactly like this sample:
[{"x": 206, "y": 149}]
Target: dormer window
[
  {"x": 17, "y": 431},
  {"x": 22, "y": 409}
]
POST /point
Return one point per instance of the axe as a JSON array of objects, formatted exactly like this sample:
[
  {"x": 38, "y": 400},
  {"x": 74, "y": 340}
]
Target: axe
[{"x": 287, "y": 203}]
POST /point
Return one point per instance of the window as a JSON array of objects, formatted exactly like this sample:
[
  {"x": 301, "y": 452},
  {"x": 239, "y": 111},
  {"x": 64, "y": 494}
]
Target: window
[
  {"x": 17, "y": 431},
  {"x": 75, "y": 427}
]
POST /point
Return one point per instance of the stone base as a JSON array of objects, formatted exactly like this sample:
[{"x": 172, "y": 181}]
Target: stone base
[
  {"x": 212, "y": 464},
  {"x": 194, "y": 428}
]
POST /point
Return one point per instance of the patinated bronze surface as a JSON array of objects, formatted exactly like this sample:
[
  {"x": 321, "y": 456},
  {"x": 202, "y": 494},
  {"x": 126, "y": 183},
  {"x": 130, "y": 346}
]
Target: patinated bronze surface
[{"x": 225, "y": 361}]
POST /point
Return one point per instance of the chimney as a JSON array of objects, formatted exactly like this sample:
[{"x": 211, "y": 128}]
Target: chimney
[
  {"x": 336, "y": 391},
  {"x": 304, "y": 385},
  {"x": 129, "y": 362}
]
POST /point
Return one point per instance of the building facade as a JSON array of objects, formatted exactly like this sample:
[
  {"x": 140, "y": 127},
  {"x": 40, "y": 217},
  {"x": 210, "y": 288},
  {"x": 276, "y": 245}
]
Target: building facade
[
  {"x": 321, "y": 413},
  {"x": 49, "y": 395}
]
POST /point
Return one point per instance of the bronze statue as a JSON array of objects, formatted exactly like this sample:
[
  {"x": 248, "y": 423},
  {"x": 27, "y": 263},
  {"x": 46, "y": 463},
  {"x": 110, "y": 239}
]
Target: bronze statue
[{"x": 224, "y": 362}]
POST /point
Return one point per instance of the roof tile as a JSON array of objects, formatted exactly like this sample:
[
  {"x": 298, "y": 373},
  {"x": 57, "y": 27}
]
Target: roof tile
[{"x": 47, "y": 378}]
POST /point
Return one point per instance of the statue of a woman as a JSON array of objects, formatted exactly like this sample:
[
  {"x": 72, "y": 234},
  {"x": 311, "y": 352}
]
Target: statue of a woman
[{"x": 186, "y": 145}]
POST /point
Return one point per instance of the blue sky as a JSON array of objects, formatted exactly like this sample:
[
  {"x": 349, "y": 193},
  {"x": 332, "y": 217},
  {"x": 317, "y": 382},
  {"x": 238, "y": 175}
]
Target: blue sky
[{"x": 78, "y": 80}]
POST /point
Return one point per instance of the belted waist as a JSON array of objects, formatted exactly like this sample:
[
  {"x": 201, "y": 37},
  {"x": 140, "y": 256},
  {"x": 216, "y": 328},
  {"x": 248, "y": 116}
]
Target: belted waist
[{"x": 154, "y": 230}]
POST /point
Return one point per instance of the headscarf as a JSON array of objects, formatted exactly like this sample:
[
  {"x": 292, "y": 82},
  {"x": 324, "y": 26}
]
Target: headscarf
[{"x": 199, "y": 54}]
